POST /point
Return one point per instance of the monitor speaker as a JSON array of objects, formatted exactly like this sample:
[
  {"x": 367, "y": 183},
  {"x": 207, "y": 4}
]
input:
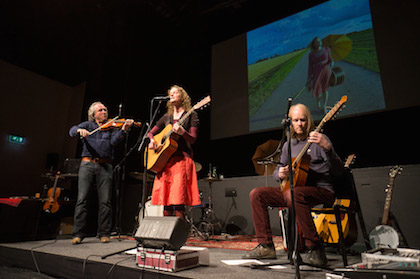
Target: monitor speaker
[{"x": 162, "y": 232}]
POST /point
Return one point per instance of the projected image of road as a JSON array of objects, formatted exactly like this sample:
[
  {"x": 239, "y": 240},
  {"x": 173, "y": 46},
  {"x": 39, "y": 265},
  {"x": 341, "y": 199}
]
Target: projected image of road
[{"x": 314, "y": 57}]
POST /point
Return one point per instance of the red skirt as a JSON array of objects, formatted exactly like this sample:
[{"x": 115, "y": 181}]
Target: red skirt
[{"x": 176, "y": 184}]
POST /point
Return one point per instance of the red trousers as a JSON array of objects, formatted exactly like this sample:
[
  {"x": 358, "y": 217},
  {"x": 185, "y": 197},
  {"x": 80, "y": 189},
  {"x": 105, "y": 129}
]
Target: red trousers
[{"x": 305, "y": 198}]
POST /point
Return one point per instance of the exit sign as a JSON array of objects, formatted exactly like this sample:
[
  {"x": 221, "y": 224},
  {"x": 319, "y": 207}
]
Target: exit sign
[{"x": 16, "y": 139}]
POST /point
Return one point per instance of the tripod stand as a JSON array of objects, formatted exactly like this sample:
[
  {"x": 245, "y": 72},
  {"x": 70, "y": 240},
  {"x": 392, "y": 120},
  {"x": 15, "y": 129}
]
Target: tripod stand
[
  {"x": 207, "y": 224},
  {"x": 193, "y": 229}
]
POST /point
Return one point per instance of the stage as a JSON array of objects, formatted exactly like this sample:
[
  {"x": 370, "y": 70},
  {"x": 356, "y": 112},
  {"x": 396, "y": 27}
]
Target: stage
[{"x": 59, "y": 259}]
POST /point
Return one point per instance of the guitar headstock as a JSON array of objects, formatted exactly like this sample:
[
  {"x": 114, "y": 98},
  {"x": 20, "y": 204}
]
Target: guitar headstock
[
  {"x": 350, "y": 160},
  {"x": 394, "y": 171},
  {"x": 335, "y": 109},
  {"x": 202, "y": 103}
]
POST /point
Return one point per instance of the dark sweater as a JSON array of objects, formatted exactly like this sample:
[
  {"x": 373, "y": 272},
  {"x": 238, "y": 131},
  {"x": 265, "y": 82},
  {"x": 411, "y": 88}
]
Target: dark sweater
[{"x": 322, "y": 165}]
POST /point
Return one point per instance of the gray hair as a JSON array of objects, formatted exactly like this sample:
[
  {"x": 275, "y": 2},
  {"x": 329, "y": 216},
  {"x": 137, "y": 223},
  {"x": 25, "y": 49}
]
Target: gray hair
[{"x": 91, "y": 111}]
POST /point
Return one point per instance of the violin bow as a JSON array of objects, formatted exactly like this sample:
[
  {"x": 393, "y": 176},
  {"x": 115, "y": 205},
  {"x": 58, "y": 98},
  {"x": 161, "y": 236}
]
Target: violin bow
[{"x": 100, "y": 127}]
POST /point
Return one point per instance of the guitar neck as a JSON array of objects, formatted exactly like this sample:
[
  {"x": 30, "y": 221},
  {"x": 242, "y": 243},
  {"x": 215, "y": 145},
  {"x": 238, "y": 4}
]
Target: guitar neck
[
  {"x": 55, "y": 184},
  {"x": 307, "y": 145},
  {"x": 388, "y": 199},
  {"x": 324, "y": 120},
  {"x": 180, "y": 122},
  {"x": 390, "y": 188}
]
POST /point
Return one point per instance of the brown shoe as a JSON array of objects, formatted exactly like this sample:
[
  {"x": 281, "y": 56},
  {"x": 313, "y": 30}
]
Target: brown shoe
[
  {"x": 76, "y": 240},
  {"x": 105, "y": 239},
  {"x": 262, "y": 251}
]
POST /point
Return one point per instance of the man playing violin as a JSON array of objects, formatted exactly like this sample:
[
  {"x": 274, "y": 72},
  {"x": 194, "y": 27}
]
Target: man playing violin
[
  {"x": 96, "y": 168},
  {"x": 318, "y": 189}
]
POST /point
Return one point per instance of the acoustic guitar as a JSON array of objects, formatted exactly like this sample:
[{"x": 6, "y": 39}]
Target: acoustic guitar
[
  {"x": 166, "y": 142},
  {"x": 300, "y": 164},
  {"x": 51, "y": 205},
  {"x": 384, "y": 235},
  {"x": 326, "y": 224}
]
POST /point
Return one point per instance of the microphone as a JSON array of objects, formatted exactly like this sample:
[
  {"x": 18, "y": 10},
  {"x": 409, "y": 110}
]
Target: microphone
[
  {"x": 289, "y": 104},
  {"x": 161, "y": 98},
  {"x": 119, "y": 110},
  {"x": 286, "y": 120}
]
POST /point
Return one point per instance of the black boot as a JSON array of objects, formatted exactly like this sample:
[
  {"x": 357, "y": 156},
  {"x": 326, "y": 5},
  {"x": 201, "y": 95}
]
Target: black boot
[{"x": 316, "y": 256}]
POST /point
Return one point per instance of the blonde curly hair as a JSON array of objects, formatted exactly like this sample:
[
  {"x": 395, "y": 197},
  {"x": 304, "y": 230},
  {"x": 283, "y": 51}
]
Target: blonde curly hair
[{"x": 185, "y": 100}]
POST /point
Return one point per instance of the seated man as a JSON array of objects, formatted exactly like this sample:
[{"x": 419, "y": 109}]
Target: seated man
[{"x": 318, "y": 189}]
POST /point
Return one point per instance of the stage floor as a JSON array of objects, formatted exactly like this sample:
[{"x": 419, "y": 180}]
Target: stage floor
[{"x": 60, "y": 259}]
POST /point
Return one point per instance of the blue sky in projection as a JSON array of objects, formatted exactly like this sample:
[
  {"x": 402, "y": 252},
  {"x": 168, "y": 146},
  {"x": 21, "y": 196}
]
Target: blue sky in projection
[{"x": 297, "y": 31}]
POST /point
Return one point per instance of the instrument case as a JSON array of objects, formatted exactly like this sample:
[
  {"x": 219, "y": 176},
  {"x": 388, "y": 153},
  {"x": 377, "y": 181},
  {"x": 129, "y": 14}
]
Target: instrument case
[{"x": 167, "y": 260}]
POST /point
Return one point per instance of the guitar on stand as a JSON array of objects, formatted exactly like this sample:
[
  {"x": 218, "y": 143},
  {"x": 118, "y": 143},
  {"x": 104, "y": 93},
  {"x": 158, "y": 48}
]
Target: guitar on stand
[
  {"x": 385, "y": 235},
  {"x": 326, "y": 224},
  {"x": 167, "y": 143}
]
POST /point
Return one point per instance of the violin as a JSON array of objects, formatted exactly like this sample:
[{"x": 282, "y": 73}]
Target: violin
[
  {"x": 113, "y": 123},
  {"x": 116, "y": 124},
  {"x": 51, "y": 205}
]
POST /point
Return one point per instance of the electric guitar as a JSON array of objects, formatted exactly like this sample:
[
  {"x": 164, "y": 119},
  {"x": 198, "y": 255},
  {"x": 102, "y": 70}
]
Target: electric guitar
[
  {"x": 326, "y": 224},
  {"x": 300, "y": 164},
  {"x": 51, "y": 205},
  {"x": 385, "y": 235},
  {"x": 167, "y": 143}
]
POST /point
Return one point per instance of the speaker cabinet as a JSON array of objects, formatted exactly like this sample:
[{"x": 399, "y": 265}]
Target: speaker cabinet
[{"x": 162, "y": 232}]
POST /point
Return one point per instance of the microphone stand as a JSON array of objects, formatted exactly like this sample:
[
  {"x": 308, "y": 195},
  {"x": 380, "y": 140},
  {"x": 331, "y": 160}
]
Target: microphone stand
[
  {"x": 293, "y": 254},
  {"x": 116, "y": 173},
  {"x": 145, "y": 143},
  {"x": 119, "y": 176},
  {"x": 140, "y": 143}
]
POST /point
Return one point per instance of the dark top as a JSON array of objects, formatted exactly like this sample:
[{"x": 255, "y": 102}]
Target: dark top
[
  {"x": 100, "y": 144},
  {"x": 184, "y": 142},
  {"x": 322, "y": 165}
]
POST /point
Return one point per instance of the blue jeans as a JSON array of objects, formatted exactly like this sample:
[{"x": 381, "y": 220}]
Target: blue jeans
[{"x": 90, "y": 174}]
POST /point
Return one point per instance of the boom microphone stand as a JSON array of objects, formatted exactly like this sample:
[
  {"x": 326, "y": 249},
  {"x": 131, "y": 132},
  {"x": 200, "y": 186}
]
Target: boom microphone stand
[
  {"x": 145, "y": 143},
  {"x": 293, "y": 254},
  {"x": 118, "y": 182},
  {"x": 142, "y": 140},
  {"x": 119, "y": 176}
]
